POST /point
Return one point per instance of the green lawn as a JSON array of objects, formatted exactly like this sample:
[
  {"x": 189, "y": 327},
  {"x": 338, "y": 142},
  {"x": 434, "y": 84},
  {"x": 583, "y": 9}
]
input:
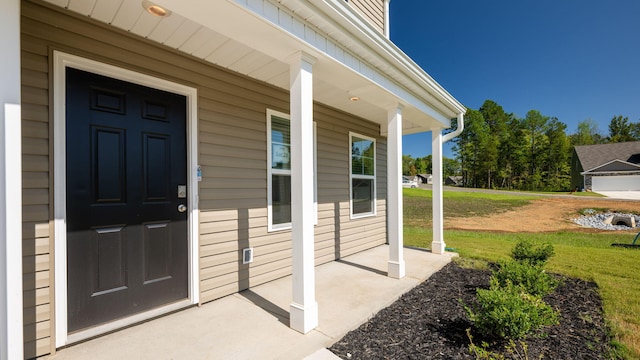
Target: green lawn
[
  {"x": 616, "y": 271},
  {"x": 418, "y": 211}
]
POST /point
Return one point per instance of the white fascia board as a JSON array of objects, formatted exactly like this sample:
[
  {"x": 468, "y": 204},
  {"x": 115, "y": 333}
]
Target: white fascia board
[
  {"x": 384, "y": 47},
  {"x": 621, "y": 173},
  {"x": 440, "y": 106}
]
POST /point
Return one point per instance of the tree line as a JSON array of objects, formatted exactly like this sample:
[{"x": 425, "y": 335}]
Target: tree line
[{"x": 503, "y": 151}]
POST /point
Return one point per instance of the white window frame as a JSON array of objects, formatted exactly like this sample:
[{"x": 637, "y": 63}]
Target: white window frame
[
  {"x": 358, "y": 176},
  {"x": 271, "y": 171}
]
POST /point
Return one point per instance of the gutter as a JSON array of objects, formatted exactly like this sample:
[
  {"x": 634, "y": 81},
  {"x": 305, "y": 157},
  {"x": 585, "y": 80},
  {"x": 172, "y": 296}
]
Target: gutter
[
  {"x": 372, "y": 40},
  {"x": 458, "y": 130}
]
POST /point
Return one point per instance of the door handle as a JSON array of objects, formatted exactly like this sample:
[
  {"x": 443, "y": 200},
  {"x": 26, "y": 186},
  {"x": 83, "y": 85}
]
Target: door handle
[{"x": 182, "y": 208}]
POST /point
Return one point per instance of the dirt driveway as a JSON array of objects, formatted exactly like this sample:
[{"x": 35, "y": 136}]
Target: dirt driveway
[{"x": 546, "y": 214}]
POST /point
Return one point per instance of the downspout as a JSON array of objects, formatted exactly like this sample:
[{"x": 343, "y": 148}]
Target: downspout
[
  {"x": 438, "y": 245},
  {"x": 387, "y": 29},
  {"x": 458, "y": 130}
]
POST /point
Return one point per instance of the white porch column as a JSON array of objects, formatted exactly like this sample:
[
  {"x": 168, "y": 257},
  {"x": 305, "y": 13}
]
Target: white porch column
[
  {"x": 394, "y": 193},
  {"x": 437, "y": 245},
  {"x": 11, "y": 342},
  {"x": 304, "y": 308}
]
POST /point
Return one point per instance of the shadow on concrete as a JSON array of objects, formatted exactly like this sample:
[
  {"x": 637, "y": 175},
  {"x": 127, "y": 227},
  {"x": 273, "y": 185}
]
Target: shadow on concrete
[
  {"x": 281, "y": 314},
  {"x": 375, "y": 271}
]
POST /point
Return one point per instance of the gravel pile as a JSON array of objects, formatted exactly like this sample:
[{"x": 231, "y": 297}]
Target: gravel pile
[{"x": 597, "y": 221}]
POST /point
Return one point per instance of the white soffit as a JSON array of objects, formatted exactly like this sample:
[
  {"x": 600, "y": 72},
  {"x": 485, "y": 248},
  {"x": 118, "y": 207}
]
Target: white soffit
[{"x": 255, "y": 37}]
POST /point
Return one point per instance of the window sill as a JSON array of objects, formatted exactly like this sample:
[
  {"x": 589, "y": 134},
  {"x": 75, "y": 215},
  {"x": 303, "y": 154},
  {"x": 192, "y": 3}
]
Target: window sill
[
  {"x": 361, "y": 216},
  {"x": 279, "y": 227}
]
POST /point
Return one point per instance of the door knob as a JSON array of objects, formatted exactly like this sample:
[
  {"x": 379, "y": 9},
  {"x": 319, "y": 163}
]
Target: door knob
[{"x": 182, "y": 208}]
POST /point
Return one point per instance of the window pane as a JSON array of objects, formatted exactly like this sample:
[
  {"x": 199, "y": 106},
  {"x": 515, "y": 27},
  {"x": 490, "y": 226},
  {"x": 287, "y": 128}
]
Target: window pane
[
  {"x": 362, "y": 156},
  {"x": 281, "y": 199},
  {"x": 280, "y": 143},
  {"x": 362, "y": 196}
]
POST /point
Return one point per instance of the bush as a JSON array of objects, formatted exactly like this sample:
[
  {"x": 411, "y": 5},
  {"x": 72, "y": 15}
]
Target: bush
[
  {"x": 527, "y": 251},
  {"x": 509, "y": 312},
  {"x": 532, "y": 278}
]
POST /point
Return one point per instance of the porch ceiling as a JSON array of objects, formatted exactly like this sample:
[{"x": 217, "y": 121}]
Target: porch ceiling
[{"x": 236, "y": 36}]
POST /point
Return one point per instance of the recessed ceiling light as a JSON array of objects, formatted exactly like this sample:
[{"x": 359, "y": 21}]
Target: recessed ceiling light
[
  {"x": 354, "y": 98},
  {"x": 154, "y": 9}
]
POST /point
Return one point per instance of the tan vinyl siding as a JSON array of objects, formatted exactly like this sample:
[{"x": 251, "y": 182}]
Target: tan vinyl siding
[
  {"x": 231, "y": 151},
  {"x": 372, "y": 10},
  {"x": 37, "y": 259}
]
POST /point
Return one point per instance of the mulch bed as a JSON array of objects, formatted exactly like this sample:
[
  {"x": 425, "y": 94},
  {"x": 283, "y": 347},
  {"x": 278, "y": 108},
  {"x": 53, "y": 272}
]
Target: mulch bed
[{"x": 429, "y": 322}]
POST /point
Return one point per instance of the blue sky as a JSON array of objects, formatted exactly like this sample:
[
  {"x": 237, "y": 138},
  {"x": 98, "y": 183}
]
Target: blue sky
[{"x": 572, "y": 59}]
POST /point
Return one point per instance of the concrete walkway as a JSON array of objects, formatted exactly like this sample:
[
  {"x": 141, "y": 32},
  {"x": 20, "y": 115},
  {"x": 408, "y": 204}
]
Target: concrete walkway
[
  {"x": 621, "y": 195},
  {"x": 254, "y": 324}
]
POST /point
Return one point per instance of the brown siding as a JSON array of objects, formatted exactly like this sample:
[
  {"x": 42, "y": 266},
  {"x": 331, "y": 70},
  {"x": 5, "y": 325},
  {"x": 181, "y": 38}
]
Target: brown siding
[
  {"x": 372, "y": 10},
  {"x": 232, "y": 153}
]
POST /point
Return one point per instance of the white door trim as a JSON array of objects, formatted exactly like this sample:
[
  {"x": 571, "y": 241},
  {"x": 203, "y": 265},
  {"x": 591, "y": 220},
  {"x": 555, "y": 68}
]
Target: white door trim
[{"x": 60, "y": 62}]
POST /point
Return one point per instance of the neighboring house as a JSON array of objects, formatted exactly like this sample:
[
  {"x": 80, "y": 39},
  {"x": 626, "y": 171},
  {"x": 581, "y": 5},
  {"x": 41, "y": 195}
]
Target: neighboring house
[
  {"x": 425, "y": 178},
  {"x": 606, "y": 167},
  {"x": 158, "y": 151},
  {"x": 453, "y": 181}
]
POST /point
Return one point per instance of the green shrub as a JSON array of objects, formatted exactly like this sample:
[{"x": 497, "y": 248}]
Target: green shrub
[
  {"x": 509, "y": 312},
  {"x": 532, "y": 278},
  {"x": 527, "y": 251}
]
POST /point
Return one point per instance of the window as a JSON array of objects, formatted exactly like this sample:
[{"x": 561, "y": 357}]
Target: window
[
  {"x": 362, "y": 175},
  {"x": 279, "y": 171}
]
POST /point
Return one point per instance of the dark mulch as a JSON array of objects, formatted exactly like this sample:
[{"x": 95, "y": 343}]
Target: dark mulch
[{"x": 429, "y": 322}]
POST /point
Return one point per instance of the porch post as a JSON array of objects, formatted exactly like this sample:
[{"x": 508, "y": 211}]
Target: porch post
[
  {"x": 11, "y": 341},
  {"x": 437, "y": 245},
  {"x": 304, "y": 308},
  {"x": 394, "y": 193}
]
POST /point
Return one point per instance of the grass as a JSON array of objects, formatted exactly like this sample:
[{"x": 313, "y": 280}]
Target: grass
[
  {"x": 588, "y": 256},
  {"x": 588, "y": 194},
  {"x": 418, "y": 210}
]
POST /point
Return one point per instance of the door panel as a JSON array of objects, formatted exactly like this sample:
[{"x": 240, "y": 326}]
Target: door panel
[
  {"x": 107, "y": 149},
  {"x": 110, "y": 259},
  {"x": 126, "y": 156},
  {"x": 157, "y": 246},
  {"x": 157, "y": 167}
]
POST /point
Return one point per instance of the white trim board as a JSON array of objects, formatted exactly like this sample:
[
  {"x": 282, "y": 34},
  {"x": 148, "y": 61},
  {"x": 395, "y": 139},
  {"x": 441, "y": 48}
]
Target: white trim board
[
  {"x": 374, "y": 200},
  {"x": 60, "y": 62}
]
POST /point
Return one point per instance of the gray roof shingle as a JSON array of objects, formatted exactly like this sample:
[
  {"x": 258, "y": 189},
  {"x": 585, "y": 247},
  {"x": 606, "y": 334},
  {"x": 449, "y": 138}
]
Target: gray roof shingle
[{"x": 592, "y": 156}]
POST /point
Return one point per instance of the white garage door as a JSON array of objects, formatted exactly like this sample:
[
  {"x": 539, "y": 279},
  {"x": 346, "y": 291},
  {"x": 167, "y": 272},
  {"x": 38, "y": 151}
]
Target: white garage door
[{"x": 615, "y": 183}]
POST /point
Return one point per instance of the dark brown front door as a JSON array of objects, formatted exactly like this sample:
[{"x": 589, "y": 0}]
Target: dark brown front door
[{"x": 126, "y": 162}]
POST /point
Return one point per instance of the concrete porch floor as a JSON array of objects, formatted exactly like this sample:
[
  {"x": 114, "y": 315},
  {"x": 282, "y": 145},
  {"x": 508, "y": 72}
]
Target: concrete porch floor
[{"x": 254, "y": 324}]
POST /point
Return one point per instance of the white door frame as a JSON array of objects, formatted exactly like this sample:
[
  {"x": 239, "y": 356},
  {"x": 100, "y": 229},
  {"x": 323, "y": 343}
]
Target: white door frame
[{"x": 60, "y": 62}]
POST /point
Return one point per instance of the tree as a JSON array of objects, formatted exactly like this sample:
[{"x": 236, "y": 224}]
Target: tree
[
  {"x": 513, "y": 154},
  {"x": 496, "y": 120},
  {"x": 586, "y": 133},
  {"x": 558, "y": 158},
  {"x": 450, "y": 167},
  {"x": 535, "y": 124},
  {"x": 423, "y": 165},
  {"x": 635, "y": 131},
  {"x": 470, "y": 146},
  {"x": 620, "y": 129}
]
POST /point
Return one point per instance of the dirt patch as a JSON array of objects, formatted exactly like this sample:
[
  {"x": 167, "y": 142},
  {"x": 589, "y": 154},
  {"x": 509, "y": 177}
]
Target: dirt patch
[{"x": 543, "y": 215}]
